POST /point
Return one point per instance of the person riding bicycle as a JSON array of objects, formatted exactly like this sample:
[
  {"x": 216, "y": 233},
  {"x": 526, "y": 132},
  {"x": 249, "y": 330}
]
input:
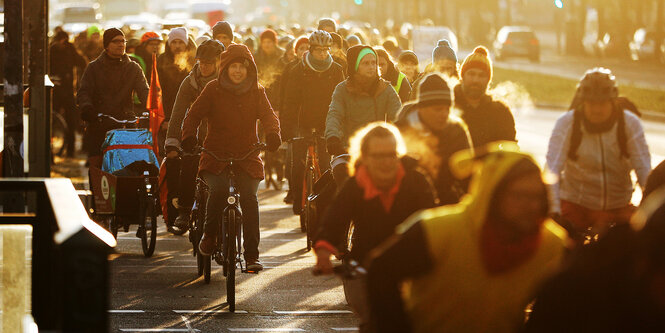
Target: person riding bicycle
[
  {"x": 592, "y": 151},
  {"x": 390, "y": 73},
  {"x": 181, "y": 171},
  {"x": 307, "y": 95},
  {"x": 433, "y": 134},
  {"x": 474, "y": 266},
  {"x": 361, "y": 99},
  {"x": 385, "y": 188},
  {"x": 232, "y": 103},
  {"x": 107, "y": 87}
]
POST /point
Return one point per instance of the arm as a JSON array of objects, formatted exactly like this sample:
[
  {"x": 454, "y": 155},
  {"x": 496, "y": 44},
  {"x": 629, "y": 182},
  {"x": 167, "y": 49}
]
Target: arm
[
  {"x": 557, "y": 153},
  {"x": 401, "y": 257},
  {"x": 197, "y": 112},
  {"x": 405, "y": 90},
  {"x": 186, "y": 96},
  {"x": 267, "y": 115},
  {"x": 506, "y": 127},
  {"x": 640, "y": 158},
  {"x": 291, "y": 105},
  {"x": 140, "y": 84},
  {"x": 86, "y": 88},
  {"x": 393, "y": 105},
  {"x": 336, "y": 114}
]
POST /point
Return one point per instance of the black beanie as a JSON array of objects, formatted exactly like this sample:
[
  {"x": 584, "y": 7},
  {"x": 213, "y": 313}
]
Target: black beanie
[
  {"x": 434, "y": 90},
  {"x": 111, "y": 33},
  {"x": 222, "y": 27}
]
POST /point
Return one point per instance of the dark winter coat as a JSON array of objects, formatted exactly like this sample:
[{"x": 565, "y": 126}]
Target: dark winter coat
[
  {"x": 170, "y": 78},
  {"x": 307, "y": 97},
  {"x": 63, "y": 59},
  {"x": 232, "y": 116},
  {"x": 372, "y": 224},
  {"x": 435, "y": 150},
  {"x": 108, "y": 86},
  {"x": 490, "y": 121}
]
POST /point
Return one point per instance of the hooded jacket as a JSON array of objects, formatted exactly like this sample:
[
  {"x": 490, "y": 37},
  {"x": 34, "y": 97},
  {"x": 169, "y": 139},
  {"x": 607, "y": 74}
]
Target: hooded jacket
[
  {"x": 447, "y": 286},
  {"x": 307, "y": 97},
  {"x": 190, "y": 89},
  {"x": 232, "y": 116}
]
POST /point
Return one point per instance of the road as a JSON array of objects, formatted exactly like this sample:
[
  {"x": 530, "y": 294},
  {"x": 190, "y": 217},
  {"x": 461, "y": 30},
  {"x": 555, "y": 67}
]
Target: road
[{"x": 163, "y": 293}]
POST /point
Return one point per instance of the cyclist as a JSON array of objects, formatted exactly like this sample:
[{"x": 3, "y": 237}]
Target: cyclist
[
  {"x": 328, "y": 25},
  {"x": 407, "y": 62},
  {"x": 338, "y": 50},
  {"x": 307, "y": 95},
  {"x": 474, "y": 266},
  {"x": 357, "y": 101},
  {"x": 223, "y": 32},
  {"x": 390, "y": 73},
  {"x": 383, "y": 191},
  {"x": 181, "y": 172},
  {"x": 488, "y": 120},
  {"x": 593, "y": 149},
  {"x": 435, "y": 135},
  {"x": 151, "y": 43},
  {"x": 63, "y": 58},
  {"x": 173, "y": 66},
  {"x": 232, "y": 104},
  {"x": 107, "y": 87}
]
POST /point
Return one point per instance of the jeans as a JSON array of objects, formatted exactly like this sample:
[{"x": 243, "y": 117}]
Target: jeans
[
  {"x": 299, "y": 160},
  {"x": 247, "y": 186}
]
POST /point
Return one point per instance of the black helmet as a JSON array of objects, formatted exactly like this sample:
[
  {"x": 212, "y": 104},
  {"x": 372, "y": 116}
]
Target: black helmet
[
  {"x": 597, "y": 85},
  {"x": 209, "y": 50}
]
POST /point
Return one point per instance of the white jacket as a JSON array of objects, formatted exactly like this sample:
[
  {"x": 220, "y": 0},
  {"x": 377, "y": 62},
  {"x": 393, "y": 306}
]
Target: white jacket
[{"x": 600, "y": 177}]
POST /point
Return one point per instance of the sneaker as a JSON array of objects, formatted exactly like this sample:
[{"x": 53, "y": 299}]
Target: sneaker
[
  {"x": 207, "y": 245},
  {"x": 182, "y": 221},
  {"x": 254, "y": 265}
]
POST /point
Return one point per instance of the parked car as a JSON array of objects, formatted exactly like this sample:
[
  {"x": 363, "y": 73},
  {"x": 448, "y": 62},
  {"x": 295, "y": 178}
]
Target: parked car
[
  {"x": 643, "y": 46},
  {"x": 517, "y": 41}
]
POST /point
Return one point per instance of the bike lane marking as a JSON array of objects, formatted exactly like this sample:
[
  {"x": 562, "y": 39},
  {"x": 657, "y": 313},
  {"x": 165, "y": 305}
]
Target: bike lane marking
[
  {"x": 208, "y": 311},
  {"x": 306, "y": 312}
]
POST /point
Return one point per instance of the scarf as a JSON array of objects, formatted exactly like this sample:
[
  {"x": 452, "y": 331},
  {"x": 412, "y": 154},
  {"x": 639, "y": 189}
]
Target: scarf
[
  {"x": 499, "y": 256},
  {"x": 236, "y": 89},
  {"x": 364, "y": 84},
  {"x": 317, "y": 65},
  {"x": 201, "y": 80},
  {"x": 370, "y": 191}
]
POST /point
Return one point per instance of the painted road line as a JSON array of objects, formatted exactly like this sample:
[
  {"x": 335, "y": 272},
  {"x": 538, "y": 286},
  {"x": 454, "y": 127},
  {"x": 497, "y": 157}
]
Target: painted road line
[
  {"x": 266, "y": 330},
  {"x": 126, "y": 311},
  {"x": 313, "y": 312},
  {"x": 159, "y": 330},
  {"x": 345, "y": 329},
  {"x": 206, "y": 311}
]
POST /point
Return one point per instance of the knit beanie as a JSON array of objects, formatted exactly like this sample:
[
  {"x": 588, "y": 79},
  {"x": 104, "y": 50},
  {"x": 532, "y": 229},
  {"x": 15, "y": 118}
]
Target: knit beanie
[
  {"x": 478, "y": 59},
  {"x": 353, "y": 40},
  {"x": 408, "y": 55},
  {"x": 354, "y": 54},
  {"x": 443, "y": 51},
  {"x": 222, "y": 27},
  {"x": 327, "y": 23},
  {"x": 93, "y": 29},
  {"x": 149, "y": 36},
  {"x": 111, "y": 33},
  {"x": 179, "y": 33},
  {"x": 434, "y": 90},
  {"x": 269, "y": 34},
  {"x": 300, "y": 41}
]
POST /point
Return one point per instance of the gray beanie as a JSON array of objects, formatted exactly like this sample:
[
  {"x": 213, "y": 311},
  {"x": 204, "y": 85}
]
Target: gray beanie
[{"x": 443, "y": 51}]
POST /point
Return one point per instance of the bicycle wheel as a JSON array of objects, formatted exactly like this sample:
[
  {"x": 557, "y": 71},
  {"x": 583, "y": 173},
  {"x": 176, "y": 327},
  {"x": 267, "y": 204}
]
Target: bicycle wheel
[
  {"x": 306, "y": 191},
  {"x": 230, "y": 244},
  {"x": 58, "y": 134},
  {"x": 307, "y": 209},
  {"x": 207, "y": 260},
  {"x": 149, "y": 225}
]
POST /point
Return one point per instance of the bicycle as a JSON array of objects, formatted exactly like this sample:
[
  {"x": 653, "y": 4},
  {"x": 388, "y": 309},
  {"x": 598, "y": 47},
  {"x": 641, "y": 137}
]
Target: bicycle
[
  {"x": 311, "y": 175},
  {"x": 228, "y": 243}
]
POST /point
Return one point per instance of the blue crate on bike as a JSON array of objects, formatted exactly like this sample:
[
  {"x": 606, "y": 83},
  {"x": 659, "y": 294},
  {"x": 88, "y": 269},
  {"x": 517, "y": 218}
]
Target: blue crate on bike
[{"x": 123, "y": 147}]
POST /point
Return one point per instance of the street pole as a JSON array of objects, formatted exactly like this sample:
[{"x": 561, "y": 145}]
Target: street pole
[
  {"x": 13, "y": 90},
  {"x": 39, "y": 154}
]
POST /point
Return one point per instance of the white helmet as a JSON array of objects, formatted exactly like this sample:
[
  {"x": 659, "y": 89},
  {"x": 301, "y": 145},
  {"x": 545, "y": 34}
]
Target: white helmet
[{"x": 320, "y": 38}]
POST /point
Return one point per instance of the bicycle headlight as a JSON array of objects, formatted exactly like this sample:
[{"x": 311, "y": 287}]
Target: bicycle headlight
[{"x": 231, "y": 200}]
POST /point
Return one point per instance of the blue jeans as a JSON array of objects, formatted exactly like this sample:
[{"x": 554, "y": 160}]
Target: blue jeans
[{"x": 247, "y": 186}]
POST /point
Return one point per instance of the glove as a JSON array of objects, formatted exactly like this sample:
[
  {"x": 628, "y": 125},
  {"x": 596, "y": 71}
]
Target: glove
[
  {"x": 88, "y": 113},
  {"x": 273, "y": 141},
  {"x": 188, "y": 145},
  {"x": 334, "y": 146}
]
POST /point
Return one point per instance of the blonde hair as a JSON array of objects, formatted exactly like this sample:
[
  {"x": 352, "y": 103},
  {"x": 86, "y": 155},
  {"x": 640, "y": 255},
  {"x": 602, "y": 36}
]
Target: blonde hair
[{"x": 359, "y": 142}]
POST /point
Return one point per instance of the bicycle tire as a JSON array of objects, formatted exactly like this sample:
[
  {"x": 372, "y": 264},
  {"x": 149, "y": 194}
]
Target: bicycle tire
[
  {"x": 207, "y": 261},
  {"x": 230, "y": 243},
  {"x": 305, "y": 193},
  {"x": 58, "y": 134},
  {"x": 309, "y": 183},
  {"x": 199, "y": 264},
  {"x": 149, "y": 236}
]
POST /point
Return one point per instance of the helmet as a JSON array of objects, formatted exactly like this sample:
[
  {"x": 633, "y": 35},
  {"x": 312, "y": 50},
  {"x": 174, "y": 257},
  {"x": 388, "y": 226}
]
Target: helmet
[
  {"x": 597, "y": 85},
  {"x": 320, "y": 38},
  {"x": 209, "y": 50}
]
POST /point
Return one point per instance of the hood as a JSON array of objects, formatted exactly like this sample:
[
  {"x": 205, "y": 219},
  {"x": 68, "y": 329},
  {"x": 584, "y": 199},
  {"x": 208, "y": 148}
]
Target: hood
[{"x": 238, "y": 51}]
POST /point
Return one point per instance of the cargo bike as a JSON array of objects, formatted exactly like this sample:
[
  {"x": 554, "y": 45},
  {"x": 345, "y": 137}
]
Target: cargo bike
[{"x": 125, "y": 189}]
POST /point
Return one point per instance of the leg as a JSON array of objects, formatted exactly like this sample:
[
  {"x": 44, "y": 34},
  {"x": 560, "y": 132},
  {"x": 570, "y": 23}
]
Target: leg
[
  {"x": 189, "y": 166},
  {"x": 299, "y": 155},
  {"x": 218, "y": 191},
  {"x": 355, "y": 291},
  {"x": 249, "y": 202}
]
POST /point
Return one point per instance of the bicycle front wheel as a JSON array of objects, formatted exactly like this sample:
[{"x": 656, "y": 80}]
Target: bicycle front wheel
[
  {"x": 149, "y": 225},
  {"x": 230, "y": 244}
]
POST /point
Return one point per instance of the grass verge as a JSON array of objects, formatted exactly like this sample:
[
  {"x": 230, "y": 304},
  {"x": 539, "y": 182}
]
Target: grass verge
[{"x": 555, "y": 90}]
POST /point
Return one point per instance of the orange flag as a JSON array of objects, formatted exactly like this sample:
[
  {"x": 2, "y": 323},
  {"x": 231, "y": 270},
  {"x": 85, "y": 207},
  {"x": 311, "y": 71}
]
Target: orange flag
[{"x": 154, "y": 105}]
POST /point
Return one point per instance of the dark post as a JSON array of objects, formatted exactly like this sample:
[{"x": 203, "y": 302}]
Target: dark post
[
  {"x": 13, "y": 90},
  {"x": 39, "y": 128}
]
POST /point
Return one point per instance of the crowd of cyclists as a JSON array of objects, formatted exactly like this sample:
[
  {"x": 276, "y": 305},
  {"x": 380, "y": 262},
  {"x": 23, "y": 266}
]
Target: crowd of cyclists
[{"x": 458, "y": 229}]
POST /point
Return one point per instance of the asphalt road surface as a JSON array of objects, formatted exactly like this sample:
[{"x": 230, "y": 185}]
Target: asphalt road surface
[{"x": 164, "y": 293}]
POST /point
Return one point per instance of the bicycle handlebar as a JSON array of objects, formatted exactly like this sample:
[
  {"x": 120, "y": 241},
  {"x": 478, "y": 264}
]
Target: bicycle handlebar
[
  {"x": 347, "y": 269},
  {"x": 133, "y": 121},
  {"x": 259, "y": 147}
]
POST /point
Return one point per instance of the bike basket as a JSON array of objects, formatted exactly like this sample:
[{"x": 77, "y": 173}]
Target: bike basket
[{"x": 123, "y": 147}]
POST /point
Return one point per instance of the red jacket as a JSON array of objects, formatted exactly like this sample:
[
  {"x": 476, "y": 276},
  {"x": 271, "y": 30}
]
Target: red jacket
[{"x": 232, "y": 116}]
